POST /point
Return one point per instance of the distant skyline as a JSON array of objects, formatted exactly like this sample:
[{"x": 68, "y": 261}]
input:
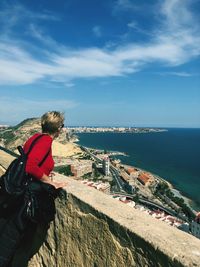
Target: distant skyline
[{"x": 102, "y": 63}]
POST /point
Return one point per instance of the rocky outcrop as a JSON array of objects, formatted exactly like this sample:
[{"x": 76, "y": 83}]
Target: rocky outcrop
[{"x": 92, "y": 229}]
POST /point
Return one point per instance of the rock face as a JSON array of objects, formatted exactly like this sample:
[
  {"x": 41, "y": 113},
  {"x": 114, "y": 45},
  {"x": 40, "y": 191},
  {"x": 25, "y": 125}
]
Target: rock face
[{"x": 91, "y": 229}]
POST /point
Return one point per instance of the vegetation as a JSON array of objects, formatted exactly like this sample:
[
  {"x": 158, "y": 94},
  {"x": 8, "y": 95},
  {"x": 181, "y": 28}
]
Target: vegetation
[
  {"x": 33, "y": 131},
  {"x": 96, "y": 172},
  {"x": 10, "y": 134},
  {"x": 22, "y": 123},
  {"x": 7, "y": 136},
  {"x": 64, "y": 169},
  {"x": 113, "y": 183},
  {"x": 87, "y": 176},
  {"x": 135, "y": 198},
  {"x": 163, "y": 189},
  {"x": 85, "y": 156}
]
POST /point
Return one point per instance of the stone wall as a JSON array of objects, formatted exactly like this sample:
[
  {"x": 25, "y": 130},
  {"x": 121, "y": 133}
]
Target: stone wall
[
  {"x": 93, "y": 230},
  {"x": 5, "y": 159}
]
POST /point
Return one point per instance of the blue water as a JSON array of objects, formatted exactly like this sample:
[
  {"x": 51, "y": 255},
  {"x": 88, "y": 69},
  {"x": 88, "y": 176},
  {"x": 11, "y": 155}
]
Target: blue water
[{"x": 173, "y": 155}]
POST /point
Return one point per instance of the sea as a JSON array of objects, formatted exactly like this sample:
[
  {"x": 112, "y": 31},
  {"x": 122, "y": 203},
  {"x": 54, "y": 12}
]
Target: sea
[{"x": 174, "y": 155}]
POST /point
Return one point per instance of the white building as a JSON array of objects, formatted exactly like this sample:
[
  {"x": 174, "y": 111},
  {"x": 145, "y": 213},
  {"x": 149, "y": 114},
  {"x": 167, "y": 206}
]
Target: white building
[
  {"x": 104, "y": 187},
  {"x": 106, "y": 166}
]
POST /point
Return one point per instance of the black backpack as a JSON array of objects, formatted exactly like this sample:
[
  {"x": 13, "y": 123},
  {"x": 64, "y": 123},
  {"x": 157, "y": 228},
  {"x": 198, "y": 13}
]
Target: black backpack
[{"x": 15, "y": 179}]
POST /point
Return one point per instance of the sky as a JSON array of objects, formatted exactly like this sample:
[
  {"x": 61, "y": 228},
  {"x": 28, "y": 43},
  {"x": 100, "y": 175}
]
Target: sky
[{"x": 101, "y": 62}]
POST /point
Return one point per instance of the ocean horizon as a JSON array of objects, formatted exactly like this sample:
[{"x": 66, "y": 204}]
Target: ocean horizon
[{"x": 172, "y": 155}]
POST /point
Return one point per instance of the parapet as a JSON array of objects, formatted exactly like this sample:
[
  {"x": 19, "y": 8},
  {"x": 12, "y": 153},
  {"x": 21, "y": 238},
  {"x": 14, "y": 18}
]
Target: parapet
[{"x": 93, "y": 230}]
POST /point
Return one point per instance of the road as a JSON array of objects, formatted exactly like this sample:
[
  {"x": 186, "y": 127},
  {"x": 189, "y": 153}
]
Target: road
[
  {"x": 115, "y": 173},
  {"x": 122, "y": 190}
]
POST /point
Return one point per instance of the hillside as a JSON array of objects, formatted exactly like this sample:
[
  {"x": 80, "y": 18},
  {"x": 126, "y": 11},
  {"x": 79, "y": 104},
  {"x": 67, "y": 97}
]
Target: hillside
[{"x": 17, "y": 135}]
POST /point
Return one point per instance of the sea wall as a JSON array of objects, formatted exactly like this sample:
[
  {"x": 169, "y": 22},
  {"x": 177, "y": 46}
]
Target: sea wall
[{"x": 93, "y": 230}]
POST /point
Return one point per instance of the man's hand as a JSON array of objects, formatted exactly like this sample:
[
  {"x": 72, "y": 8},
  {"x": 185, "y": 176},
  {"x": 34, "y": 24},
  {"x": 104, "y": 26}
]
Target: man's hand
[
  {"x": 51, "y": 175},
  {"x": 59, "y": 184},
  {"x": 49, "y": 180}
]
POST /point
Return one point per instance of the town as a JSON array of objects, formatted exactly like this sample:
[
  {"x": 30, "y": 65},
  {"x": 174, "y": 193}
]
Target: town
[
  {"x": 79, "y": 129},
  {"x": 132, "y": 186}
]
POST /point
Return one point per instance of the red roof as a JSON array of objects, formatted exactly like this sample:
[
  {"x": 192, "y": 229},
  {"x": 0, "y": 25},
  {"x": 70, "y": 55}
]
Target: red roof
[
  {"x": 130, "y": 170},
  {"x": 143, "y": 177}
]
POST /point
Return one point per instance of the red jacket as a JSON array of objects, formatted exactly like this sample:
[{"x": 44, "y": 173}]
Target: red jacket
[{"x": 37, "y": 154}]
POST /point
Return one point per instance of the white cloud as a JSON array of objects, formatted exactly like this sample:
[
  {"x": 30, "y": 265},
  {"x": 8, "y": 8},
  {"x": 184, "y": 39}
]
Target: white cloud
[
  {"x": 97, "y": 31},
  {"x": 180, "y": 74},
  {"x": 132, "y": 25},
  {"x": 18, "y": 67},
  {"x": 177, "y": 13},
  {"x": 17, "y": 12},
  {"x": 124, "y": 4},
  {"x": 12, "y": 15},
  {"x": 175, "y": 41},
  {"x": 69, "y": 85},
  {"x": 40, "y": 35}
]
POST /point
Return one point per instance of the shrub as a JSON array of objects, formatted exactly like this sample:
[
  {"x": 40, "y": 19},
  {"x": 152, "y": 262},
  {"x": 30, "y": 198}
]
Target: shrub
[{"x": 64, "y": 169}]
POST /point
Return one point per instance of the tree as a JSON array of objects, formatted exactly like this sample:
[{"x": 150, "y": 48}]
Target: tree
[{"x": 64, "y": 169}]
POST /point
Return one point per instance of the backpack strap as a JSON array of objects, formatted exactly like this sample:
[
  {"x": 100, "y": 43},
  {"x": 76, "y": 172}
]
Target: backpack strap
[
  {"x": 43, "y": 160},
  {"x": 32, "y": 145},
  {"x": 21, "y": 150}
]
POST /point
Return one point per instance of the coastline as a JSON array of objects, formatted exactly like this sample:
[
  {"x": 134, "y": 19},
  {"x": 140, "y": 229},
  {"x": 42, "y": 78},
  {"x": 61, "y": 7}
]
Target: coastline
[
  {"x": 142, "y": 145},
  {"x": 189, "y": 202}
]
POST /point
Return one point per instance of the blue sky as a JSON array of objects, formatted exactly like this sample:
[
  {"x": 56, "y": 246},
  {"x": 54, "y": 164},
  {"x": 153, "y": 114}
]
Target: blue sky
[{"x": 102, "y": 62}]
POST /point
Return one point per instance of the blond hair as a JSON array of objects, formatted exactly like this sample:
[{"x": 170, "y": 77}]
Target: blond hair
[{"x": 51, "y": 122}]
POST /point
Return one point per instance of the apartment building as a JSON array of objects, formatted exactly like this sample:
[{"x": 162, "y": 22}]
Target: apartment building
[
  {"x": 106, "y": 166},
  {"x": 81, "y": 168}
]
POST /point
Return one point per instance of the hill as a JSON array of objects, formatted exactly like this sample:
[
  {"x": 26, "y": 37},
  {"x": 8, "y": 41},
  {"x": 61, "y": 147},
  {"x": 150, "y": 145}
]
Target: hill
[{"x": 12, "y": 137}]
